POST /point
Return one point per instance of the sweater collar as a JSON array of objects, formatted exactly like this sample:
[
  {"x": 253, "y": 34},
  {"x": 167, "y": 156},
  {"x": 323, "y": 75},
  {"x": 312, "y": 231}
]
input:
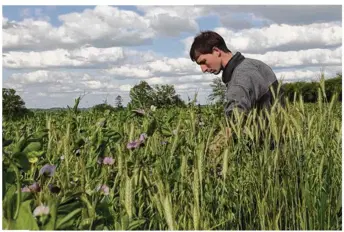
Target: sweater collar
[{"x": 230, "y": 66}]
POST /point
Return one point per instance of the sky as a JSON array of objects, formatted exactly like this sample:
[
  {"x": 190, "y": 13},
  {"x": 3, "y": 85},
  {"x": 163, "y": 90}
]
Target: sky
[{"x": 53, "y": 54}]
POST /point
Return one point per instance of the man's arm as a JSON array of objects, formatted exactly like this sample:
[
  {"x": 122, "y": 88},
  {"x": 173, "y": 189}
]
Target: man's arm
[{"x": 240, "y": 97}]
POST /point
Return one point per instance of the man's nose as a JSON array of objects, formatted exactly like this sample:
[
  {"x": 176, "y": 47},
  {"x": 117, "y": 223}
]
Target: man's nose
[{"x": 204, "y": 68}]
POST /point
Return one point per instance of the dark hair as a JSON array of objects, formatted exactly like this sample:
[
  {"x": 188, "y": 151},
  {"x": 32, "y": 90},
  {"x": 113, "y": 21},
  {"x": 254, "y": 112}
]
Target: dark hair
[{"x": 205, "y": 42}]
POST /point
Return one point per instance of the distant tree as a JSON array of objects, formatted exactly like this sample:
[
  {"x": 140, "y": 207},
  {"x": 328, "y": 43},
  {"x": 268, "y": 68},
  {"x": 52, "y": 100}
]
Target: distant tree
[
  {"x": 309, "y": 90},
  {"x": 142, "y": 95},
  {"x": 13, "y": 106},
  {"x": 334, "y": 86},
  {"x": 165, "y": 96},
  {"x": 118, "y": 102},
  {"x": 218, "y": 94},
  {"x": 102, "y": 107}
]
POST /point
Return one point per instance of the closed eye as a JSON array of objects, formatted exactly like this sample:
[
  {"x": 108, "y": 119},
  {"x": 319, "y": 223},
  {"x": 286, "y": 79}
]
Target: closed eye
[{"x": 202, "y": 62}]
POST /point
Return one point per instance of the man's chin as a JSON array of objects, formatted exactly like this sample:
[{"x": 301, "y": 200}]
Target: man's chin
[{"x": 216, "y": 73}]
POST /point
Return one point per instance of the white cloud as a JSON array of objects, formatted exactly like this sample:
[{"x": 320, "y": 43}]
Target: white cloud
[
  {"x": 81, "y": 57},
  {"x": 279, "y": 37},
  {"x": 172, "y": 20},
  {"x": 125, "y": 88},
  {"x": 173, "y": 25},
  {"x": 302, "y": 75},
  {"x": 40, "y": 76},
  {"x": 41, "y": 94},
  {"x": 260, "y": 15},
  {"x": 317, "y": 57},
  {"x": 163, "y": 67},
  {"x": 102, "y": 26},
  {"x": 129, "y": 71},
  {"x": 282, "y": 37}
]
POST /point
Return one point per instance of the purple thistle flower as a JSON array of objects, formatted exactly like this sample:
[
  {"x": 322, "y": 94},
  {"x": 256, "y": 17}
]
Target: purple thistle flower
[
  {"x": 108, "y": 160},
  {"x": 47, "y": 170},
  {"x": 134, "y": 144},
  {"x": 41, "y": 210}
]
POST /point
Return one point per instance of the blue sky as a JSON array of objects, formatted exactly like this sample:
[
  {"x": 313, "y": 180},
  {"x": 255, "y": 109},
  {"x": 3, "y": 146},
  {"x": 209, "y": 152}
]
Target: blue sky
[
  {"x": 106, "y": 50},
  {"x": 158, "y": 45}
]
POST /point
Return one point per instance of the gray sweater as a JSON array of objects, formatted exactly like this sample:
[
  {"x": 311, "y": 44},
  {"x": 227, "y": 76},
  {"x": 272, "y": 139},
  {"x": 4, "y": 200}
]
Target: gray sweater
[{"x": 248, "y": 84}]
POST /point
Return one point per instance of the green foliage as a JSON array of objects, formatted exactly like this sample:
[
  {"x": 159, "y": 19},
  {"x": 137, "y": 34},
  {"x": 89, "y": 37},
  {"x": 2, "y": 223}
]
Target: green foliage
[
  {"x": 309, "y": 90},
  {"x": 165, "y": 96},
  {"x": 189, "y": 172},
  {"x": 118, "y": 102},
  {"x": 143, "y": 96},
  {"x": 103, "y": 107},
  {"x": 218, "y": 94},
  {"x": 13, "y": 106}
]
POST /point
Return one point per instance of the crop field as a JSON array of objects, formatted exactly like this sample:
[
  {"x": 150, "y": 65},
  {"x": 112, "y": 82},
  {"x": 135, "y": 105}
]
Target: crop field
[{"x": 175, "y": 169}]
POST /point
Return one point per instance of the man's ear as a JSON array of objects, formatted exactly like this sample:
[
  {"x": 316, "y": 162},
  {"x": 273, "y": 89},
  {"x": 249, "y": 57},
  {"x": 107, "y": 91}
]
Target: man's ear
[{"x": 217, "y": 51}]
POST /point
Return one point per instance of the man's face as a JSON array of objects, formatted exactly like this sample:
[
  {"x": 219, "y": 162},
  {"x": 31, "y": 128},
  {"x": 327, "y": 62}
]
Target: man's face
[{"x": 210, "y": 63}]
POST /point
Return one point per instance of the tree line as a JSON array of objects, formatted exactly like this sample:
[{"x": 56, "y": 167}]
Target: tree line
[
  {"x": 143, "y": 96},
  {"x": 307, "y": 90}
]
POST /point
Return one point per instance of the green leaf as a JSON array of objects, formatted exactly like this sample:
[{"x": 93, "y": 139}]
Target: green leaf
[
  {"x": 125, "y": 222},
  {"x": 9, "y": 202},
  {"x": 136, "y": 224},
  {"x": 25, "y": 220},
  {"x": 4, "y": 224},
  {"x": 151, "y": 127},
  {"x": 114, "y": 136},
  {"x": 20, "y": 144},
  {"x": 41, "y": 134},
  {"x": 166, "y": 131},
  {"x": 23, "y": 162},
  {"x": 64, "y": 222},
  {"x": 6, "y": 143},
  {"x": 33, "y": 146}
]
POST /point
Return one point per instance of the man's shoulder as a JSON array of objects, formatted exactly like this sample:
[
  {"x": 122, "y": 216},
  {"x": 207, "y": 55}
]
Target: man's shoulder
[
  {"x": 253, "y": 71},
  {"x": 252, "y": 62},
  {"x": 249, "y": 65}
]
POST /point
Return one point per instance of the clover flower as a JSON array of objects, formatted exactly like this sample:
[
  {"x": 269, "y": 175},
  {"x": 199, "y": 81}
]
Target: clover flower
[
  {"x": 104, "y": 189},
  {"x": 108, "y": 161},
  {"x": 41, "y": 210},
  {"x": 153, "y": 108}
]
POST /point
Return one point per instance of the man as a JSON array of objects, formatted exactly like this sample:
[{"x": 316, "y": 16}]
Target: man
[{"x": 248, "y": 81}]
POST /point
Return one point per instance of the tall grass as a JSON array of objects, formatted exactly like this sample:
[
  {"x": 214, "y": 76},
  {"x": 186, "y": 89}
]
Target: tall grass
[{"x": 277, "y": 170}]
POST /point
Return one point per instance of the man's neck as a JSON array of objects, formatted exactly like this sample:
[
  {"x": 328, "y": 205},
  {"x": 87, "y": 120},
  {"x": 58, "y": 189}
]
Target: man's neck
[{"x": 226, "y": 57}]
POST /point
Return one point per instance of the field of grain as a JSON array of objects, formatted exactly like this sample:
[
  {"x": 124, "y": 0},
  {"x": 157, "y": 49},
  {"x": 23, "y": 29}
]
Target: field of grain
[{"x": 177, "y": 169}]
